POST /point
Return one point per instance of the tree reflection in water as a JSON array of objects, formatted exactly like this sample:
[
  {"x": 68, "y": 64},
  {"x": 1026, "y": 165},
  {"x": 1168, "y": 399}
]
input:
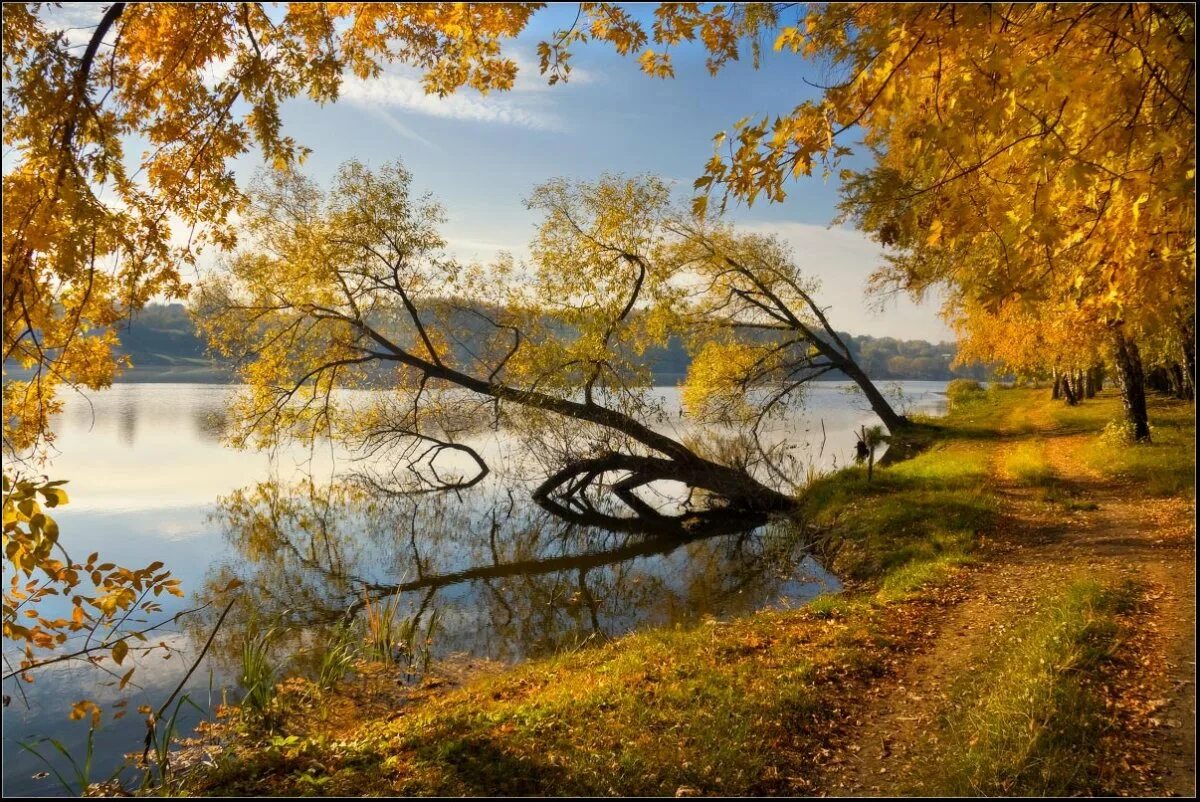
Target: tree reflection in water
[{"x": 508, "y": 580}]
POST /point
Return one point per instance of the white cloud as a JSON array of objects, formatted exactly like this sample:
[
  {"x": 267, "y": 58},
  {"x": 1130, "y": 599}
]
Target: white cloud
[
  {"x": 400, "y": 128},
  {"x": 77, "y": 21},
  {"x": 404, "y": 91},
  {"x": 470, "y": 250}
]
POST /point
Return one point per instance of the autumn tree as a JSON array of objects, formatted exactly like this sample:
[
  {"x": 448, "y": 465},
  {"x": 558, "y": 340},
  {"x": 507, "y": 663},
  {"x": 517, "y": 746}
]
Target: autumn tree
[
  {"x": 338, "y": 283},
  {"x": 349, "y": 288},
  {"x": 753, "y": 286},
  {"x": 1041, "y": 153},
  {"x": 92, "y": 230},
  {"x": 1060, "y": 344},
  {"x": 1037, "y": 152}
]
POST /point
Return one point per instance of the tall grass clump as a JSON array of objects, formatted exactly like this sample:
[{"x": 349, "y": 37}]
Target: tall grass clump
[
  {"x": 258, "y": 674},
  {"x": 338, "y": 656},
  {"x": 390, "y": 637},
  {"x": 1029, "y": 721}
]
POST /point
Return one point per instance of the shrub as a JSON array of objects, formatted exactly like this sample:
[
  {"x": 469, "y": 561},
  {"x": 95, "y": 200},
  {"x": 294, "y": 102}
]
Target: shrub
[{"x": 964, "y": 391}]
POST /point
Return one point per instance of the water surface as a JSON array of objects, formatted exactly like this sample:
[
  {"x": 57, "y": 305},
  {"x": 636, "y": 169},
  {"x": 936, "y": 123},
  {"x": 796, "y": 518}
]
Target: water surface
[{"x": 151, "y": 480}]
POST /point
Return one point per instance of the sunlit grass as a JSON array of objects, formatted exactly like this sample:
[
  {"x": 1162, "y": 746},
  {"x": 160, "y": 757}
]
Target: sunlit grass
[
  {"x": 720, "y": 707},
  {"x": 1163, "y": 467},
  {"x": 833, "y": 605},
  {"x": 1026, "y": 463},
  {"x": 1091, "y": 414},
  {"x": 931, "y": 561},
  {"x": 954, "y": 465},
  {"x": 910, "y": 512},
  {"x": 1029, "y": 721}
]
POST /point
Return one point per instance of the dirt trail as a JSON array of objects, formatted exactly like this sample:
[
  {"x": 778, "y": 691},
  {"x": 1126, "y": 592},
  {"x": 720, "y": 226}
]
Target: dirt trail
[{"x": 1037, "y": 545}]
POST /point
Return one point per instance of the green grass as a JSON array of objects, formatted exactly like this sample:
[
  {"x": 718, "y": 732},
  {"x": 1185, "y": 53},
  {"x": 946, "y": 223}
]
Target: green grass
[
  {"x": 1029, "y": 722},
  {"x": 1026, "y": 463},
  {"x": 834, "y": 605},
  {"x": 929, "y": 563},
  {"x": 910, "y": 512},
  {"x": 729, "y": 707},
  {"x": 1163, "y": 467}
]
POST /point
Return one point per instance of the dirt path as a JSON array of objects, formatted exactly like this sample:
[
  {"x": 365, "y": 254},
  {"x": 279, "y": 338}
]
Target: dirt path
[{"x": 1037, "y": 545}]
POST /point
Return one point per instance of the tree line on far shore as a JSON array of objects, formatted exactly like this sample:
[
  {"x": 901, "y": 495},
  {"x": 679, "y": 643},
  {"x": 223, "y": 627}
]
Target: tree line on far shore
[{"x": 163, "y": 336}]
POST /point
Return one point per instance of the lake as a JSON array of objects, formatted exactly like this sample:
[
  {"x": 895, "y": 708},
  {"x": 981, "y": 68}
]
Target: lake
[{"x": 485, "y": 574}]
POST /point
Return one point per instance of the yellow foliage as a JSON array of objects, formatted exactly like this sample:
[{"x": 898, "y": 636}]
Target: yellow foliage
[
  {"x": 88, "y": 231},
  {"x": 31, "y": 537},
  {"x": 720, "y": 375}
]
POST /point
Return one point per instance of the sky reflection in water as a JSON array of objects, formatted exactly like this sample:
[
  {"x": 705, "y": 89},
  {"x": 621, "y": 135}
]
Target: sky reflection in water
[{"x": 151, "y": 480}]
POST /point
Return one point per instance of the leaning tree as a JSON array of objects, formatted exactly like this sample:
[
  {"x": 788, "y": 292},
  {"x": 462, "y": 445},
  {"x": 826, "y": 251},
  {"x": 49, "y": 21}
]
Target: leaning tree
[{"x": 350, "y": 289}]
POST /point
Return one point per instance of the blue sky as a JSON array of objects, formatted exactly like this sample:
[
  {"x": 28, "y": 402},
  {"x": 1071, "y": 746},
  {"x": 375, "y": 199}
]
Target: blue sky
[{"x": 481, "y": 155}]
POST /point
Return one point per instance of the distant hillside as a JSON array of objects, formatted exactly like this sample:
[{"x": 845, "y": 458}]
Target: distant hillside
[{"x": 162, "y": 342}]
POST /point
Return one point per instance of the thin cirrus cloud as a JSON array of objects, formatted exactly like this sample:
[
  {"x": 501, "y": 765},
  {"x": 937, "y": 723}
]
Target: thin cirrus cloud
[
  {"x": 406, "y": 93},
  {"x": 398, "y": 127}
]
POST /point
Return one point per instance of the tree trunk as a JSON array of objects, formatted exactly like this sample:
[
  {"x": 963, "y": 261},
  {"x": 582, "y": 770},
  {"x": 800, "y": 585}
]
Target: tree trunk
[
  {"x": 1056, "y": 393},
  {"x": 1187, "y": 339},
  {"x": 1068, "y": 390},
  {"x": 1133, "y": 385},
  {"x": 879, "y": 405},
  {"x": 1089, "y": 383},
  {"x": 736, "y": 486},
  {"x": 1183, "y": 389}
]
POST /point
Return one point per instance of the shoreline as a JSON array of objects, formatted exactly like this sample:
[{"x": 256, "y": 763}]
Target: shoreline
[{"x": 741, "y": 706}]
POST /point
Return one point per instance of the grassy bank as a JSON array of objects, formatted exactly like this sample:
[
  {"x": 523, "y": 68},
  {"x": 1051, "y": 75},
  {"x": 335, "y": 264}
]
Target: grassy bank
[{"x": 756, "y": 705}]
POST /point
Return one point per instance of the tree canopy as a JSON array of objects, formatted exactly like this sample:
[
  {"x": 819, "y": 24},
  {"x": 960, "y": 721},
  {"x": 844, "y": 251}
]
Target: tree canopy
[
  {"x": 1040, "y": 152},
  {"x": 92, "y": 231}
]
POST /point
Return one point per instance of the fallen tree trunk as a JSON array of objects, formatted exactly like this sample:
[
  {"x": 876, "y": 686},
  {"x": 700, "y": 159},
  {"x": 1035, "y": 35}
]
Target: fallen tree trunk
[{"x": 735, "y": 486}]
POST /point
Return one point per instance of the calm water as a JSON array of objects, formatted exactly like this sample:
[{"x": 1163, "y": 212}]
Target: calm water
[{"x": 499, "y": 578}]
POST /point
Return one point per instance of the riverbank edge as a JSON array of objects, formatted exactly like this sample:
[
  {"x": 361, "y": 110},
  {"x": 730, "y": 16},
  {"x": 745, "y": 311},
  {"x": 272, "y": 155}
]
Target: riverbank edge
[{"x": 757, "y": 705}]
